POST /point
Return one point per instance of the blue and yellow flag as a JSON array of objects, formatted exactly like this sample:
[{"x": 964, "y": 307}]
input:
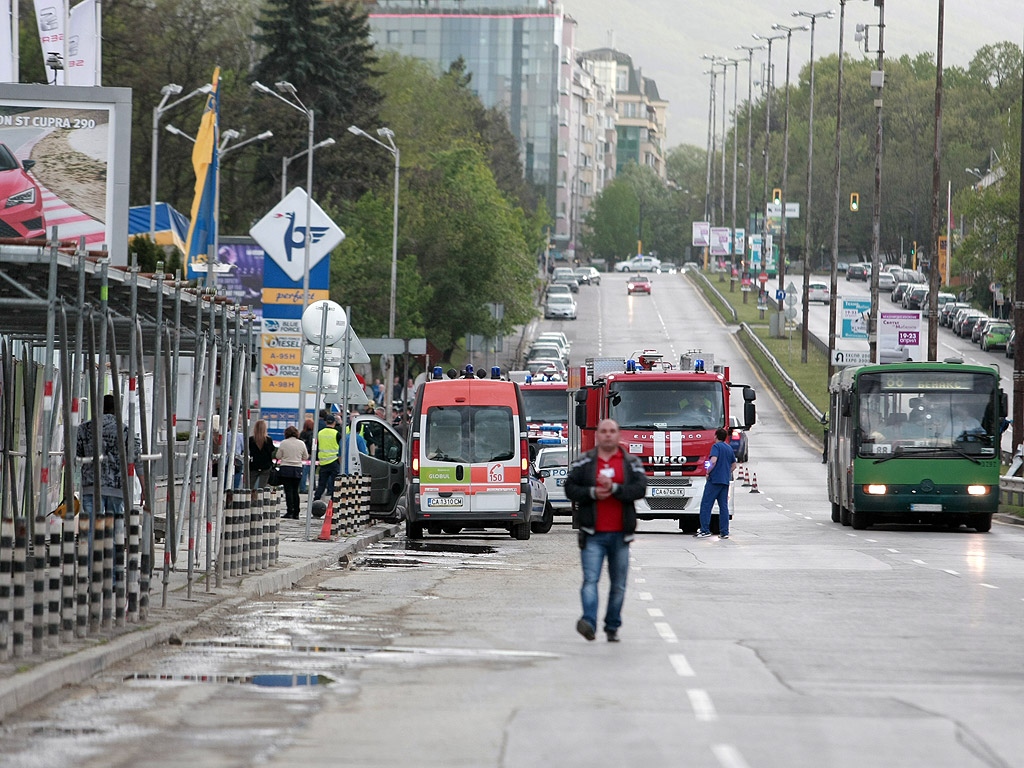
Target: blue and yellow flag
[{"x": 204, "y": 161}]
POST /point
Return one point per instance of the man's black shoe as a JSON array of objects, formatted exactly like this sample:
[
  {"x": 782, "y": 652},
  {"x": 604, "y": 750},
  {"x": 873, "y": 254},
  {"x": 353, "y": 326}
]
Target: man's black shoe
[
  {"x": 613, "y": 635},
  {"x": 586, "y": 629}
]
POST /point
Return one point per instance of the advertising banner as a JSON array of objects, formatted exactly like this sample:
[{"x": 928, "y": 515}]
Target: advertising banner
[
  {"x": 67, "y": 153},
  {"x": 739, "y": 245},
  {"x": 243, "y": 283},
  {"x": 83, "y": 44},
  {"x": 855, "y": 318},
  {"x": 899, "y": 337},
  {"x": 7, "y": 62},
  {"x": 720, "y": 241},
  {"x": 701, "y": 234},
  {"x": 755, "y": 252}
]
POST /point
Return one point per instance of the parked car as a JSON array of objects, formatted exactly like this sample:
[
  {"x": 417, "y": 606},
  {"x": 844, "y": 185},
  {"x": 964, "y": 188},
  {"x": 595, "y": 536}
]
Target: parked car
[
  {"x": 915, "y": 297},
  {"x": 886, "y": 281},
  {"x": 738, "y": 439},
  {"x": 897, "y": 354},
  {"x": 967, "y": 326},
  {"x": 559, "y": 288},
  {"x": 22, "y": 212},
  {"x": 842, "y": 266},
  {"x": 559, "y": 306},
  {"x": 639, "y": 264},
  {"x": 638, "y": 284},
  {"x": 979, "y": 328},
  {"x": 1009, "y": 343},
  {"x": 900, "y": 290},
  {"x": 548, "y": 351},
  {"x": 556, "y": 338},
  {"x": 949, "y": 310},
  {"x": 962, "y": 315},
  {"x": 553, "y": 465},
  {"x": 996, "y": 335},
  {"x": 565, "y": 276},
  {"x": 857, "y": 272},
  {"x": 945, "y": 298}
]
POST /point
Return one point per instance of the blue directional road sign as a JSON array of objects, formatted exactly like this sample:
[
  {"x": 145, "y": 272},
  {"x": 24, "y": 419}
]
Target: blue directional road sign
[{"x": 780, "y": 296}]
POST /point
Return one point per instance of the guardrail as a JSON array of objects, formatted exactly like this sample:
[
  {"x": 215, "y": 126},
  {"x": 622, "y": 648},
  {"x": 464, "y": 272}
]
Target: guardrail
[
  {"x": 1011, "y": 491},
  {"x": 804, "y": 400}
]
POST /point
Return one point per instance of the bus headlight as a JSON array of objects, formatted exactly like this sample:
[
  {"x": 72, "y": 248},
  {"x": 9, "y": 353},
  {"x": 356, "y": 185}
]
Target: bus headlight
[
  {"x": 977, "y": 490},
  {"x": 875, "y": 490}
]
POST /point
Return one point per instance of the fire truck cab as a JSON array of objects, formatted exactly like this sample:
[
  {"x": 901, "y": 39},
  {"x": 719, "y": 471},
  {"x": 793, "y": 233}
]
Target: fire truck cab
[
  {"x": 547, "y": 409},
  {"x": 667, "y": 415}
]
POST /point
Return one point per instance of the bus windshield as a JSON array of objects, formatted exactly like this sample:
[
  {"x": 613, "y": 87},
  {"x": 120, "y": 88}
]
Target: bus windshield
[
  {"x": 546, "y": 405},
  {"x": 927, "y": 412},
  {"x": 667, "y": 404}
]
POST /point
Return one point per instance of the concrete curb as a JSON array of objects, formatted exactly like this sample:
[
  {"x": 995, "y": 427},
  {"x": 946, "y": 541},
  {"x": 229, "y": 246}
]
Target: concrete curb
[
  {"x": 1003, "y": 517},
  {"x": 29, "y": 687}
]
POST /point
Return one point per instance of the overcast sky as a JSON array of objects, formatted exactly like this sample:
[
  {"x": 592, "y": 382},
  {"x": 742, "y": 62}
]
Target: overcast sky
[{"x": 666, "y": 38}]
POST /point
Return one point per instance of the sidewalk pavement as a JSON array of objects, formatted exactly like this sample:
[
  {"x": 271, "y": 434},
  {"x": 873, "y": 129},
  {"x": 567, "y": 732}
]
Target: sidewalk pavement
[{"x": 26, "y": 680}]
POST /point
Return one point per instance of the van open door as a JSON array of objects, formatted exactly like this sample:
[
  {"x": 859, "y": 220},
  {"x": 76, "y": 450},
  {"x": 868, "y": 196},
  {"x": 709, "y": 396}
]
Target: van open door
[{"x": 383, "y": 461}]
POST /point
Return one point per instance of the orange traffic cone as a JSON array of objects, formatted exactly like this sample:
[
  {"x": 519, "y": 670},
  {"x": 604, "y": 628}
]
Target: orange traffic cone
[
  {"x": 745, "y": 476},
  {"x": 753, "y": 484},
  {"x": 325, "y": 531}
]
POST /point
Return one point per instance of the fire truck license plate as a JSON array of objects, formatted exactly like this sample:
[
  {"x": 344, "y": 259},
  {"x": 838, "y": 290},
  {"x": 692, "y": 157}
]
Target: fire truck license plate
[
  {"x": 444, "y": 501},
  {"x": 666, "y": 491}
]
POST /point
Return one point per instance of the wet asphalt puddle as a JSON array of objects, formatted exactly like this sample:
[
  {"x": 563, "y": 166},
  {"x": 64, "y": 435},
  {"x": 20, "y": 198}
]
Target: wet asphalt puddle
[{"x": 447, "y": 553}]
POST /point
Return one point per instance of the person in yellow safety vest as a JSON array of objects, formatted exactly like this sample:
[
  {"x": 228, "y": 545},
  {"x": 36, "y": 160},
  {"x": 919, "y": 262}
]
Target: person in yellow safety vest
[{"x": 328, "y": 442}]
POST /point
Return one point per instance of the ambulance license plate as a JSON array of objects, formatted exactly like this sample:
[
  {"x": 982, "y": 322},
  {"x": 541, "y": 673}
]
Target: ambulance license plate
[{"x": 444, "y": 501}]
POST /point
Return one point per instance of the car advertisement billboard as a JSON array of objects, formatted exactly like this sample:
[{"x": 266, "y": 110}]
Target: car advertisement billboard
[{"x": 64, "y": 163}]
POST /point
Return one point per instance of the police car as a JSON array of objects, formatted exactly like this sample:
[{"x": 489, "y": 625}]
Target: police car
[{"x": 553, "y": 465}]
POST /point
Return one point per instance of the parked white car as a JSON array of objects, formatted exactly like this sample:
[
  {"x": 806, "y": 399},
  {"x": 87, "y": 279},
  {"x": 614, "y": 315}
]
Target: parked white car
[{"x": 553, "y": 466}]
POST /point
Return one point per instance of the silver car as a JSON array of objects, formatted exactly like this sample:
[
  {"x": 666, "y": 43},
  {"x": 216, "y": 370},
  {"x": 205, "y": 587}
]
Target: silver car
[{"x": 560, "y": 306}]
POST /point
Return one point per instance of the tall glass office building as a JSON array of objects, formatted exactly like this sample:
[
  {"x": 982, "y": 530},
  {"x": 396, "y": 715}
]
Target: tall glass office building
[{"x": 515, "y": 50}]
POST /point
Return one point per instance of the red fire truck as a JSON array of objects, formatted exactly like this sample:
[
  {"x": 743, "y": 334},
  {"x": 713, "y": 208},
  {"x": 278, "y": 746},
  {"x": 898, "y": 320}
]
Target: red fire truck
[
  {"x": 667, "y": 416},
  {"x": 547, "y": 411}
]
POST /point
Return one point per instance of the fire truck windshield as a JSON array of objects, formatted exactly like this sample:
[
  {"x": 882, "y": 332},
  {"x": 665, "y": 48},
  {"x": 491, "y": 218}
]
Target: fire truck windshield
[
  {"x": 546, "y": 405},
  {"x": 667, "y": 404}
]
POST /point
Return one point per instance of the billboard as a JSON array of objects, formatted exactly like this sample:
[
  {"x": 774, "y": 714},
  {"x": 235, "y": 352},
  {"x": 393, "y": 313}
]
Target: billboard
[
  {"x": 243, "y": 284},
  {"x": 64, "y": 157}
]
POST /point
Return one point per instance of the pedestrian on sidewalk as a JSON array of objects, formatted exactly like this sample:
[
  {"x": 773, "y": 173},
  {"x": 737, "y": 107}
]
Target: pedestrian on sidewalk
[
  {"x": 604, "y": 483},
  {"x": 719, "y": 466},
  {"x": 291, "y": 454},
  {"x": 328, "y": 445},
  {"x": 261, "y": 455}
]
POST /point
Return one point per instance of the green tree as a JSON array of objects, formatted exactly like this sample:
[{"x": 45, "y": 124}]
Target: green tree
[{"x": 612, "y": 222}]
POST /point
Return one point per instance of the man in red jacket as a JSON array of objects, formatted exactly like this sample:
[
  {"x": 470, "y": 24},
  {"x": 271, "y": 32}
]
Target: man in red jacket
[{"x": 604, "y": 483}]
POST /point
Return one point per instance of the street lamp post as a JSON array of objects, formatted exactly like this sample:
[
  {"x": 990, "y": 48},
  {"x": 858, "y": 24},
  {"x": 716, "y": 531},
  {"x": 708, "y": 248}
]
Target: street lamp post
[
  {"x": 834, "y": 280},
  {"x": 725, "y": 70},
  {"x": 391, "y": 147},
  {"x": 769, "y": 39},
  {"x": 750, "y": 122},
  {"x": 285, "y": 87},
  {"x": 878, "y": 81},
  {"x": 286, "y": 161},
  {"x": 933, "y": 274},
  {"x": 735, "y": 169},
  {"x": 707, "y": 181},
  {"x": 804, "y": 337},
  {"x": 785, "y": 166},
  {"x": 171, "y": 89}
]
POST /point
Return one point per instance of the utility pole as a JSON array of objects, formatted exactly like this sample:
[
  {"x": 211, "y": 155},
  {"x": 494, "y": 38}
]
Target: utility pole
[
  {"x": 833, "y": 284},
  {"x": 1018, "y": 306},
  {"x": 878, "y": 82},
  {"x": 933, "y": 247}
]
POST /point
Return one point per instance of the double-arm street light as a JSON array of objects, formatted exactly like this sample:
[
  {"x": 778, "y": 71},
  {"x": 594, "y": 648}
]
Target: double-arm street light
[
  {"x": 810, "y": 165},
  {"x": 169, "y": 90},
  {"x": 286, "y": 161},
  {"x": 390, "y": 146},
  {"x": 295, "y": 103},
  {"x": 769, "y": 39},
  {"x": 785, "y": 163},
  {"x": 750, "y": 122}
]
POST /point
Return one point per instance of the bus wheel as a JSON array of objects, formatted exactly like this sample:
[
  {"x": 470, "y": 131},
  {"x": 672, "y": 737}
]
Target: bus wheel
[
  {"x": 546, "y": 521},
  {"x": 844, "y": 516},
  {"x": 413, "y": 530},
  {"x": 859, "y": 520},
  {"x": 835, "y": 512},
  {"x": 521, "y": 531},
  {"x": 982, "y": 523}
]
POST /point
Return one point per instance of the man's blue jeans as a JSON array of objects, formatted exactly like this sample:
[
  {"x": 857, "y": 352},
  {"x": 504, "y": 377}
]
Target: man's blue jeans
[
  {"x": 610, "y": 544},
  {"x": 325, "y": 480},
  {"x": 715, "y": 492}
]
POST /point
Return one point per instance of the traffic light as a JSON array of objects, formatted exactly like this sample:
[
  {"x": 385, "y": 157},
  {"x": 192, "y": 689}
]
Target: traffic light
[
  {"x": 777, "y": 196},
  {"x": 913, "y": 249},
  {"x": 854, "y": 201}
]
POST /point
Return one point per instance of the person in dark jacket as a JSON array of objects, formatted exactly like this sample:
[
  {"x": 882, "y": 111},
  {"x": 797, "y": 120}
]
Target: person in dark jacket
[
  {"x": 261, "y": 455},
  {"x": 604, "y": 483}
]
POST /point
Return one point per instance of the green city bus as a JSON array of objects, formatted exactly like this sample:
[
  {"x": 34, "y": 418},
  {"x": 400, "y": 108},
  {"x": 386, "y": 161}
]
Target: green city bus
[{"x": 915, "y": 443}]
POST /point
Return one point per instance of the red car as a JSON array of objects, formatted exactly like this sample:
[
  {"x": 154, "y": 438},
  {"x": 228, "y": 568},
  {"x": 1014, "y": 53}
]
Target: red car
[
  {"x": 21, "y": 202},
  {"x": 638, "y": 284}
]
